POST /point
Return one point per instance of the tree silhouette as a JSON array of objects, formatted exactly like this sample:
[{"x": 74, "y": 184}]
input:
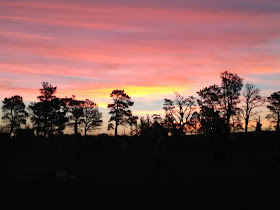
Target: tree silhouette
[
  {"x": 75, "y": 108},
  {"x": 47, "y": 92},
  {"x": 145, "y": 126},
  {"x": 178, "y": 111},
  {"x": 92, "y": 116},
  {"x": 36, "y": 112},
  {"x": 132, "y": 121},
  {"x": 157, "y": 118},
  {"x": 110, "y": 126},
  {"x": 230, "y": 92},
  {"x": 236, "y": 123},
  {"x": 194, "y": 122},
  {"x": 57, "y": 116},
  {"x": 14, "y": 112},
  {"x": 210, "y": 103},
  {"x": 119, "y": 108},
  {"x": 217, "y": 101},
  {"x": 274, "y": 108},
  {"x": 60, "y": 116},
  {"x": 49, "y": 114},
  {"x": 47, "y": 98},
  {"x": 252, "y": 100}
]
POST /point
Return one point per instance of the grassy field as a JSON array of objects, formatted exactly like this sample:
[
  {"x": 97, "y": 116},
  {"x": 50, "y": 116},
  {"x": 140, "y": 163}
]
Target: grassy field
[{"x": 209, "y": 171}]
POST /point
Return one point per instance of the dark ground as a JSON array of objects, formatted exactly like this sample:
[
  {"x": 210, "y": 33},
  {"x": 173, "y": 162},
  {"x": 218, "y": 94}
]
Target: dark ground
[{"x": 207, "y": 172}]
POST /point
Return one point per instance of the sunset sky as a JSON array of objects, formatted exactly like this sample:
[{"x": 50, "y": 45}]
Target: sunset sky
[{"x": 150, "y": 49}]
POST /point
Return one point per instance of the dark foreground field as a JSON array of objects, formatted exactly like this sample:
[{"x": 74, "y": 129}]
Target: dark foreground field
[{"x": 206, "y": 171}]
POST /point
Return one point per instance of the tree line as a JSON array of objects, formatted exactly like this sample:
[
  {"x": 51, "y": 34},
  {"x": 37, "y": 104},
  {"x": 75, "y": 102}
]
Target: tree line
[{"x": 216, "y": 110}]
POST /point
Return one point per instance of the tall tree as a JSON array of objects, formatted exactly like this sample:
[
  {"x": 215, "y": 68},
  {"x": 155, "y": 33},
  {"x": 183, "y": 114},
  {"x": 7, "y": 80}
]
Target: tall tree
[
  {"x": 230, "y": 91},
  {"x": 56, "y": 116},
  {"x": 274, "y": 108},
  {"x": 252, "y": 100},
  {"x": 14, "y": 112},
  {"x": 119, "y": 108},
  {"x": 92, "y": 116},
  {"x": 76, "y": 113},
  {"x": 60, "y": 118},
  {"x": 210, "y": 104},
  {"x": 179, "y": 110},
  {"x": 49, "y": 114},
  {"x": 49, "y": 105}
]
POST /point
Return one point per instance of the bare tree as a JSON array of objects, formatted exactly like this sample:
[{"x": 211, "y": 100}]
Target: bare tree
[
  {"x": 178, "y": 111},
  {"x": 252, "y": 100},
  {"x": 92, "y": 116},
  {"x": 230, "y": 91}
]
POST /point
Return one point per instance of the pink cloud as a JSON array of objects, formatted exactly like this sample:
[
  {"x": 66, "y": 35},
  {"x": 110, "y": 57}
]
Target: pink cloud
[{"x": 88, "y": 49}]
